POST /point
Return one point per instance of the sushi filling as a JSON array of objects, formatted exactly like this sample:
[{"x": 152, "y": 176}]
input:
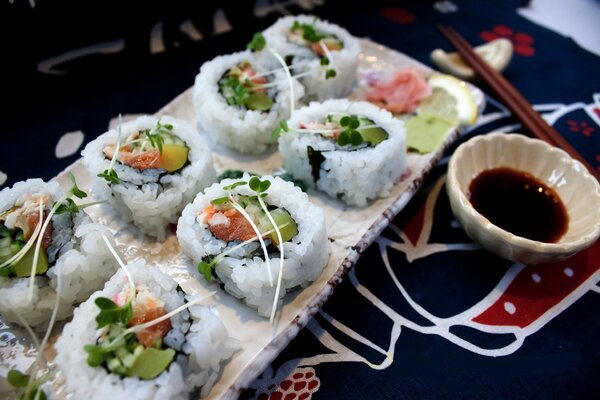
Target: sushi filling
[
  {"x": 22, "y": 224},
  {"x": 348, "y": 132},
  {"x": 242, "y": 86},
  {"x": 318, "y": 41},
  {"x": 228, "y": 224},
  {"x": 154, "y": 152},
  {"x": 125, "y": 351}
]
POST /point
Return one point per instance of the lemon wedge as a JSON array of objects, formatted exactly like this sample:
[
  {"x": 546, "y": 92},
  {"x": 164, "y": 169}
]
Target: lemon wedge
[
  {"x": 451, "y": 100},
  {"x": 497, "y": 53}
]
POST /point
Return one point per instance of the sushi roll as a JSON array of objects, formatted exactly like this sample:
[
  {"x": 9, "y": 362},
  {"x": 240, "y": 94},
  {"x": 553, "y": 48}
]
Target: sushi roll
[
  {"x": 239, "y": 99},
  {"x": 228, "y": 234},
  {"x": 160, "y": 166},
  {"x": 324, "y": 54},
  {"x": 354, "y": 151},
  {"x": 72, "y": 259},
  {"x": 106, "y": 353}
]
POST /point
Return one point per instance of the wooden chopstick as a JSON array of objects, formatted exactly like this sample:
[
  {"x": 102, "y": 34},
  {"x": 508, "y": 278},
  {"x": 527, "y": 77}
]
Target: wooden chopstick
[{"x": 514, "y": 101}]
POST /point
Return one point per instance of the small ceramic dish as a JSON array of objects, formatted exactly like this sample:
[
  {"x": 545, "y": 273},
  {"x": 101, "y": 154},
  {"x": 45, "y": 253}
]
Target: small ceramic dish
[{"x": 578, "y": 190}]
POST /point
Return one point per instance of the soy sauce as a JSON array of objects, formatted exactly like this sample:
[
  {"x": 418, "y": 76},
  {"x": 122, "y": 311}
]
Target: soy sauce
[{"x": 519, "y": 203}]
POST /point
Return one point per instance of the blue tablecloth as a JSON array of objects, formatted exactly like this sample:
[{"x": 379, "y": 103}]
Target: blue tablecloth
[{"x": 425, "y": 313}]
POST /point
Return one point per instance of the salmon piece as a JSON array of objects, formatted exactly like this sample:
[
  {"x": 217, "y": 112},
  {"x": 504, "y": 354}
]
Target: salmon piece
[
  {"x": 249, "y": 73},
  {"x": 402, "y": 94},
  {"x": 32, "y": 222},
  {"x": 146, "y": 160},
  {"x": 150, "y": 335},
  {"x": 238, "y": 227},
  {"x": 318, "y": 49}
]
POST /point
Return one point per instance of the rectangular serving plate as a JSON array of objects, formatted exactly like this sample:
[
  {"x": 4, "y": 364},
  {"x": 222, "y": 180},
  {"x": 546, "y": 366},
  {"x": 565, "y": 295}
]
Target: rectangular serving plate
[{"x": 351, "y": 230}]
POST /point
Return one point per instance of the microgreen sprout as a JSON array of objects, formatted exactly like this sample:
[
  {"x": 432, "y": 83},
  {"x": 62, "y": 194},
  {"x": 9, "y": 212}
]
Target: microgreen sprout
[
  {"x": 309, "y": 33},
  {"x": 27, "y": 388},
  {"x": 123, "y": 266},
  {"x": 111, "y": 314},
  {"x": 109, "y": 174},
  {"x": 234, "y": 185},
  {"x": 241, "y": 210},
  {"x": 155, "y": 135},
  {"x": 260, "y": 187},
  {"x": 288, "y": 75},
  {"x": 68, "y": 205},
  {"x": 350, "y": 135},
  {"x": 75, "y": 191},
  {"x": 258, "y": 42},
  {"x": 283, "y": 127}
]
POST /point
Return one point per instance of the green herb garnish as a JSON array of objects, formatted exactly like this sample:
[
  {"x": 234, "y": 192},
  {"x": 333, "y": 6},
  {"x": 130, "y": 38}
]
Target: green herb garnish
[
  {"x": 324, "y": 61},
  {"x": 259, "y": 186},
  {"x": 75, "y": 191},
  {"x": 205, "y": 267},
  {"x": 155, "y": 135},
  {"x": 110, "y": 313},
  {"x": 349, "y": 135},
  {"x": 330, "y": 73},
  {"x": 234, "y": 185},
  {"x": 110, "y": 175},
  {"x": 25, "y": 390},
  {"x": 258, "y": 42},
  {"x": 283, "y": 127},
  {"x": 236, "y": 92},
  {"x": 309, "y": 33}
]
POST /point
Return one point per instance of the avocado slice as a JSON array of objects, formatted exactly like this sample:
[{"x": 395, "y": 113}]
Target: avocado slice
[
  {"x": 173, "y": 156},
  {"x": 151, "y": 363},
  {"x": 23, "y": 267},
  {"x": 281, "y": 218},
  {"x": 259, "y": 101},
  {"x": 373, "y": 135}
]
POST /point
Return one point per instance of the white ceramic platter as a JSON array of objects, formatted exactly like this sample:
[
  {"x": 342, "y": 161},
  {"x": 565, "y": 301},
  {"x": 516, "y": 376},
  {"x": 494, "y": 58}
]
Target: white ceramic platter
[{"x": 350, "y": 231}]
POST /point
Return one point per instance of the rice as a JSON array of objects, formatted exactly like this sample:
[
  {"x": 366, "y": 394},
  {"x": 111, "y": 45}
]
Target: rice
[
  {"x": 244, "y": 130},
  {"x": 77, "y": 256},
  {"x": 151, "y": 199},
  {"x": 199, "y": 337},
  {"x": 247, "y": 278},
  {"x": 353, "y": 176},
  {"x": 344, "y": 61}
]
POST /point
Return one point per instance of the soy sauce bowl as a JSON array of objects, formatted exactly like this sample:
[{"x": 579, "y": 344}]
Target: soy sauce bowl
[{"x": 576, "y": 187}]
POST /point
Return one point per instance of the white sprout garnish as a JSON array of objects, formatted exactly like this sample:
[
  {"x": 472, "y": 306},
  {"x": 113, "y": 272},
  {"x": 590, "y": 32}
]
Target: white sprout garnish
[
  {"x": 327, "y": 53},
  {"x": 160, "y": 319},
  {"x": 38, "y": 243},
  {"x": 123, "y": 266},
  {"x": 281, "y": 258},
  {"x": 241, "y": 210},
  {"x": 17, "y": 257},
  {"x": 289, "y": 77}
]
